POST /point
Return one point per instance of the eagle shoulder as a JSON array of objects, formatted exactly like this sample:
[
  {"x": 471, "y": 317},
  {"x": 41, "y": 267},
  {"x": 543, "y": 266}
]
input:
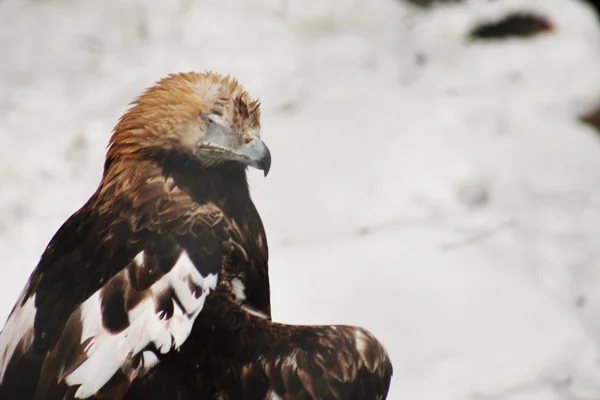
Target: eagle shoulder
[{"x": 119, "y": 285}]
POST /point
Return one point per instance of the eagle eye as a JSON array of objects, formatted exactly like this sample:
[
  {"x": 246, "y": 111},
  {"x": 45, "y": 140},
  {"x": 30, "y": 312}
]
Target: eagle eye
[{"x": 213, "y": 119}]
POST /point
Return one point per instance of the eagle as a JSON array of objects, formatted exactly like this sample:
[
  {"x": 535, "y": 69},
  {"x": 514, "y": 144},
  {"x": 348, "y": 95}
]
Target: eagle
[{"x": 158, "y": 286}]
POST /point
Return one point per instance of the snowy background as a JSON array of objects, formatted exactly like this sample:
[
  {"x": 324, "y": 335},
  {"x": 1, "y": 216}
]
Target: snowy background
[{"x": 441, "y": 193}]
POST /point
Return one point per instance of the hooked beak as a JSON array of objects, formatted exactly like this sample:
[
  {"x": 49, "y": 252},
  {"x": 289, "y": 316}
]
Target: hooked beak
[{"x": 257, "y": 155}]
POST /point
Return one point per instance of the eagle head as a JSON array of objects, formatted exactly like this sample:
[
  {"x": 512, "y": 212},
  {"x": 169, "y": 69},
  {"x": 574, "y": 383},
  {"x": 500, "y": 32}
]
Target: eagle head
[{"x": 207, "y": 116}]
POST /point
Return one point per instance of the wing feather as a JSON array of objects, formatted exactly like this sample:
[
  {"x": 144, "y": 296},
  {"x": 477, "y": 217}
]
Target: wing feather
[
  {"x": 17, "y": 332},
  {"x": 113, "y": 291},
  {"x": 321, "y": 362},
  {"x": 160, "y": 322}
]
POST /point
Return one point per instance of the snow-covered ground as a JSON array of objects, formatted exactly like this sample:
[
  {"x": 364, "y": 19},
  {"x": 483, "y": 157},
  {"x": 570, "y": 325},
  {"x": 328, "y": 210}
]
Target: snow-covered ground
[{"x": 438, "y": 192}]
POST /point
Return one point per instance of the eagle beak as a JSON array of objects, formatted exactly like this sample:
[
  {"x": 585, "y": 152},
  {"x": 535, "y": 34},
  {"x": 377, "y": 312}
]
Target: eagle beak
[{"x": 258, "y": 155}]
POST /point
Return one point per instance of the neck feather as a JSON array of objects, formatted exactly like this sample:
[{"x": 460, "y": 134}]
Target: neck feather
[{"x": 223, "y": 184}]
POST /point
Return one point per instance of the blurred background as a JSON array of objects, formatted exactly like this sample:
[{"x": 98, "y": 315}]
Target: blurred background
[{"x": 436, "y": 165}]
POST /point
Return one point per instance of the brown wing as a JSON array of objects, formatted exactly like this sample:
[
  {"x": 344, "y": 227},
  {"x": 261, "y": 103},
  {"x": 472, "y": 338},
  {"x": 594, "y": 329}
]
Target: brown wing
[
  {"x": 320, "y": 362},
  {"x": 115, "y": 289}
]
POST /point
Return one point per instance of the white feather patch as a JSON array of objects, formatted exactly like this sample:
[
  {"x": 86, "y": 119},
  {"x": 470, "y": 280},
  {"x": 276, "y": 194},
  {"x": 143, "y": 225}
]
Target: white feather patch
[
  {"x": 108, "y": 352},
  {"x": 238, "y": 289},
  {"x": 18, "y": 327},
  {"x": 139, "y": 259},
  {"x": 271, "y": 395},
  {"x": 150, "y": 359}
]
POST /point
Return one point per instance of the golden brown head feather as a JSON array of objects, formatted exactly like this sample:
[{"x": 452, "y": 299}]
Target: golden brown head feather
[{"x": 205, "y": 116}]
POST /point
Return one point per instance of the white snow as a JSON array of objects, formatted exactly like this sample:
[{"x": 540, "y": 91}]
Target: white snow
[{"x": 438, "y": 192}]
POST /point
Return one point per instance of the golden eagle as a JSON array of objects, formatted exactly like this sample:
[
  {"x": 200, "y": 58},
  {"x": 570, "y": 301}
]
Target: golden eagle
[{"x": 158, "y": 287}]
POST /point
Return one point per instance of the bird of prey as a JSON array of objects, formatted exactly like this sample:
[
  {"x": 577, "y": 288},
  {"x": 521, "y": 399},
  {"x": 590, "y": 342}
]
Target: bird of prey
[{"x": 158, "y": 287}]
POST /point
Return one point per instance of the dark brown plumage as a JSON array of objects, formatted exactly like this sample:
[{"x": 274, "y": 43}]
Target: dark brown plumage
[
  {"x": 158, "y": 286},
  {"x": 517, "y": 24}
]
